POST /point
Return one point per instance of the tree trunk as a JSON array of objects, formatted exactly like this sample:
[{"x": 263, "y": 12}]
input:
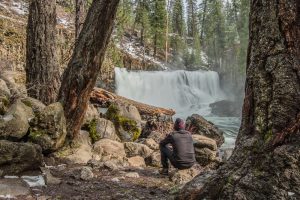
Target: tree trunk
[
  {"x": 80, "y": 16},
  {"x": 203, "y": 20},
  {"x": 265, "y": 163},
  {"x": 83, "y": 69},
  {"x": 42, "y": 71}
]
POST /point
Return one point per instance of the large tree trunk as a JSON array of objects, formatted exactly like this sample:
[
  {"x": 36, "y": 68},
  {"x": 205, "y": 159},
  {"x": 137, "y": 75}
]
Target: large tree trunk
[
  {"x": 265, "y": 163},
  {"x": 42, "y": 71},
  {"x": 80, "y": 16},
  {"x": 84, "y": 67}
]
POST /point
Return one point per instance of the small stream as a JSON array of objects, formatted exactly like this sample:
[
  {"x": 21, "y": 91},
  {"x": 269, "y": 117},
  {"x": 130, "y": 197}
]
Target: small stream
[{"x": 187, "y": 92}]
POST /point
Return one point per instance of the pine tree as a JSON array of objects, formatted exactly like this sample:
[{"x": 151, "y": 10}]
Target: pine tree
[{"x": 192, "y": 19}]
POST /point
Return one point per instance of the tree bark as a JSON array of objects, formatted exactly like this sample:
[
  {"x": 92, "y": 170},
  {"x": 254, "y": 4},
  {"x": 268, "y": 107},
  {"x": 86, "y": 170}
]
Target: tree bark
[
  {"x": 42, "y": 70},
  {"x": 265, "y": 163},
  {"x": 80, "y": 76},
  {"x": 80, "y": 16}
]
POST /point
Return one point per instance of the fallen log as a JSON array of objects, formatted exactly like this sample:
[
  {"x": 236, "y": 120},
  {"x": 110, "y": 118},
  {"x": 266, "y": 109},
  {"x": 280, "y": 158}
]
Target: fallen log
[{"x": 105, "y": 98}]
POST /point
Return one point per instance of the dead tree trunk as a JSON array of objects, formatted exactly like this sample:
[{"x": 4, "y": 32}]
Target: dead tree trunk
[
  {"x": 80, "y": 16},
  {"x": 83, "y": 69},
  {"x": 265, "y": 163},
  {"x": 42, "y": 71}
]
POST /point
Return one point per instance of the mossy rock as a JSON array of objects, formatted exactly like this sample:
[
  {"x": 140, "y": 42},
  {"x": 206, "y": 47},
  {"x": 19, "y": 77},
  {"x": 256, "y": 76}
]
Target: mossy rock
[{"x": 127, "y": 129}]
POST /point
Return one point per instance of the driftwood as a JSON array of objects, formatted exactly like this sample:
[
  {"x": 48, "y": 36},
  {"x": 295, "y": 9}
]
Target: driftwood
[{"x": 104, "y": 97}]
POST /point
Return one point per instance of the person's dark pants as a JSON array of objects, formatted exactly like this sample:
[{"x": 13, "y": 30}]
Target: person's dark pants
[{"x": 167, "y": 154}]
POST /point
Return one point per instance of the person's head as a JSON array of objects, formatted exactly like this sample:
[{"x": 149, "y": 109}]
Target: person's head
[{"x": 179, "y": 124}]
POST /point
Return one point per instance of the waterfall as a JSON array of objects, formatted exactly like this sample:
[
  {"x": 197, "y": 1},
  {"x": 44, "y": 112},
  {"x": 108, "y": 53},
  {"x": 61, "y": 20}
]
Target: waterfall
[{"x": 187, "y": 92}]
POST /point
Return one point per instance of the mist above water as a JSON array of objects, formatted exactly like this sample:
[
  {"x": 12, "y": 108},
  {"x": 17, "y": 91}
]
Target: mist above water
[{"x": 187, "y": 92}]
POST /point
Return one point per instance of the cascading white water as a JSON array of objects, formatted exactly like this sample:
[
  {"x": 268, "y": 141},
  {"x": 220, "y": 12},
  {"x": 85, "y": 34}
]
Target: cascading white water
[
  {"x": 180, "y": 90},
  {"x": 187, "y": 92}
]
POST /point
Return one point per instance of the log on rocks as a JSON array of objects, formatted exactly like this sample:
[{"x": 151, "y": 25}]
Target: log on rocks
[{"x": 103, "y": 97}]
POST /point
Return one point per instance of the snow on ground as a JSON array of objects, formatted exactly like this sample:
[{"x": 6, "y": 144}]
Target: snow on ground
[{"x": 138, "y": 52}]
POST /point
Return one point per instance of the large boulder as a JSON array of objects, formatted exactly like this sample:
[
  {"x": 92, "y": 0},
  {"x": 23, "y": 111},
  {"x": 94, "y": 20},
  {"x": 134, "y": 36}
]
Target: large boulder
[
  {"x": 18, "y": 157},
  {"x": 201, "y": 141},
  {"x": 15, "y": 82},
  {"x": 36, "y": 105},
  {"x": 126, "y": 119},
  {"x": 81, "y": 152},
  {"x": 136, "y": 161},
  {"x": 100, "y": 128},
  {"x": 48, "y": 129},
  {"x": 136, "y": 149},
  {"x": 109, "y": 149},
  {"x": 186, "y": 175},
  {"x": 149, "y": 142},
  {"x": 227, "y": 108},
  {"x": 154, "y": 159},
  {"x": 14, "y": 125},
  {"x": 196, "y": 124}
]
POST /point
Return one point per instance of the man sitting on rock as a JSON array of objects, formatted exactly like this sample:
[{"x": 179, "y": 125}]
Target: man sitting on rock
[{"x": 182, "y": 154}]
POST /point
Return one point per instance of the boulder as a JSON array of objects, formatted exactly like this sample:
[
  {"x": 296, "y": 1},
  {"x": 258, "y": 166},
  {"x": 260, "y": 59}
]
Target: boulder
[
  {"x": 227, "y": 108},
  {"x": 81, "y": 153},
  {"x": 136, "y": 161},
  {"x": 91, "y": 114},
  {"x": 126, "y": 119},
  {"x": 86, "y": 174},
  {"x": 205, "y": 156},
  {"x": 14, "y": 125},
  {"x": 18, "y": 157},
  {"x": 48, "y": 129},
  {"x": 149, "y": 142},
  {"x": 196, "y": 124},
  {"x": 154, "y": 159},
  {"x": 186, "y": 175},
  {"x": 136, "y": 149},
  {"x": 109, "y": 149},
  {"x": 201, "y": 141},
  {"x": 156, "y": 136},
  {"x": 15, "y": 82},
  {"x": 100, "y": 128},
  {"x": 4, "y": 91},
  {"x": 160, "y": 124},
  {"x": 36, "y": 105}
]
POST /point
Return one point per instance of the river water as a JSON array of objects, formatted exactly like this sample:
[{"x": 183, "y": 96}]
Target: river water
[{"x": 187, "y": 92}]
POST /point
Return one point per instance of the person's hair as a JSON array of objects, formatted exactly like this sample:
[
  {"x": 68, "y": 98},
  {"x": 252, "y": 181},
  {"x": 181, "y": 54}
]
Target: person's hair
[{"x": 179, "y": 124}]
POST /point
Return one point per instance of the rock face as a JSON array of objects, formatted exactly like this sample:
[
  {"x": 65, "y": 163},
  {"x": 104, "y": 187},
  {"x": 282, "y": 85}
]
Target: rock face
[
  {"x": 48, "y": 129},
  {"x": 100, "y": 128},
  {"x": 14, "y": 125},
  {"x": 205, "y": 149},
  {"x": 226, "y": 108},
  {"x": 18, "y": 157},
  {"x": 198, "y": 125},
  {"x": 126, "y": 119},
  {"x": 109, "y": 149},
  {"x": 135, "y": 149}
]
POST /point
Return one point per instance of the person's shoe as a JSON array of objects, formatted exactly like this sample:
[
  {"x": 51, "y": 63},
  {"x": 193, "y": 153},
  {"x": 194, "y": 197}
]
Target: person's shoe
[{"x": 164, "y": 171}]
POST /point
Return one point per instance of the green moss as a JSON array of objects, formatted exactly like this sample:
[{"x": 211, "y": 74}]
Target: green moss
[
  {"x": 27, "y": 103},
  {"x": 92, "y": 127},
  {"x": 268, "y": 136},
  {"x": 35, "y": 134},
  {"x": 5, "y": 101}
]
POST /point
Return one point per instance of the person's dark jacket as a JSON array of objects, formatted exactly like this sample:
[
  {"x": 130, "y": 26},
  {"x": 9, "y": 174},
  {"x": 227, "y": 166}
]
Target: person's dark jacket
[{"x": 183, "y": 147}]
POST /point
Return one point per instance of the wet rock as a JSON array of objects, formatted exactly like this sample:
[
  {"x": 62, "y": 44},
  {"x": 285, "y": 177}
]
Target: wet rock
[
  {"x": 227, "y": 108},
  {"x": 81, "y": 152},
  {"x": 196, "y": 124},
  {"x": 36, "y": 105},
  {"x": 132, "y": 175},
  {"x": 137, "y": 149},
  {"x": 109, "y": 149},
  {"x": 18, "y": 157},
  {"x": 12, "y": 188},
  {"x": 136, "y": 161},
  {"x": 14, "y": 125},
  {"x": 186, "y": 175},
  {"x": 86, "y": 174},
  {"x": 100, "y": 128},
  {"x": 154, "y": 159},
  {"x": 48, "y": 129},
  {"x": 127, "y": 121}
]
